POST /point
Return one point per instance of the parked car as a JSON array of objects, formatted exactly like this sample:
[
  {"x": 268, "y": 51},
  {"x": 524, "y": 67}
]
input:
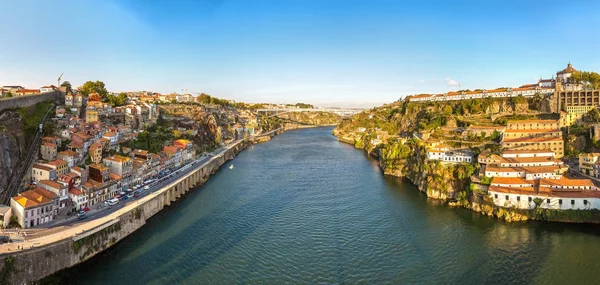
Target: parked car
[
  {"x": 146, "y": 187},
  {"x": 81, "y": 217},
  {"x": 129, "y": 195},
  {"x": 5, "y": 239},
  {"x": 124, "y": 198},
  {"x": 113, "y": 201}
]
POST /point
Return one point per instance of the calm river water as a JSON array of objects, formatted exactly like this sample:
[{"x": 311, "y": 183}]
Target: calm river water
[{"x": 307, "y": 209}]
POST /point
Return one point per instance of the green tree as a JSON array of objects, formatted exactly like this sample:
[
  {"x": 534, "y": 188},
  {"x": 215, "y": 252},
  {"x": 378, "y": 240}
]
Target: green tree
[
  {"x": 88, "y": 160},
  {"x": 447, "y": 110},
  {"x": 94, "y": 87},
  {"x": 118, "y": 100},
  {"x": 518, "y": 100},
  {"x": 8, "y": 94},
  {"x": 203, "y": 98},
  {"x": 67, "y": 86},
  {"x": 593, "y": 116}
]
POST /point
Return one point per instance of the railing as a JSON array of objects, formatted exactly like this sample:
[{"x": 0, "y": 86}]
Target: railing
[{"x": 17, "y": 178}]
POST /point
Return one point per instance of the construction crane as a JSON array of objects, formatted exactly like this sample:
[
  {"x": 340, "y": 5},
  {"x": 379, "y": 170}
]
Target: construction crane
[{"x": 58, "y": 86}]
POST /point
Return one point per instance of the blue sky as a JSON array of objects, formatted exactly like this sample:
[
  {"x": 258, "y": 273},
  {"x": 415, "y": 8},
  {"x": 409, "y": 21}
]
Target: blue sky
[{"x": 336, "y": 52}]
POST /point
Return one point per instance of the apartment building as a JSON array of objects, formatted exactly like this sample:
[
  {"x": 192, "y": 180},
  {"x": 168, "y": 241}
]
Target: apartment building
[
  {"x": 534, "y": 135},
  {"x": 34, "y": 207}
]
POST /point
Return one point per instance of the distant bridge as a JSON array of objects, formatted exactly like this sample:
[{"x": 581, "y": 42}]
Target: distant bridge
[{"x": 278, "y": 111}]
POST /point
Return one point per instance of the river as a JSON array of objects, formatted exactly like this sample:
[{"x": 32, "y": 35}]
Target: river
[{"x": 307, "y": 209}]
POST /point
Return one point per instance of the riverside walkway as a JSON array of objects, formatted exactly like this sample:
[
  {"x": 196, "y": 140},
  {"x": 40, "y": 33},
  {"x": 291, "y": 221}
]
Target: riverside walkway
[{"x": 75, "y": 231}]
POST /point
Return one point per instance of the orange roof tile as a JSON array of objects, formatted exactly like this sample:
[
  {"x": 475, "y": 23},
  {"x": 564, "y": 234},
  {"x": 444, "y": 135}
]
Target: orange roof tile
[
  {"x": 526, "y": 169},
  {"x": 511, "y": 180},
  {"x": 533, "y": 140},
  {"x": 51, "y": 183},
  {"x": 565, "y": 182}
]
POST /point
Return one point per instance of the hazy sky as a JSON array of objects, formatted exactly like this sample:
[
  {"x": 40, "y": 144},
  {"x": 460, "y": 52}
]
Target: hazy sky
[{"x": 314, "y": 51}]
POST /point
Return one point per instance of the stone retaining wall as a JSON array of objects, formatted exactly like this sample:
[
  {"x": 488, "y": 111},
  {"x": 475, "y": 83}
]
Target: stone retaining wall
[
  {"x": 34, "y": 264},
  {"x": 29, "y": 100}
]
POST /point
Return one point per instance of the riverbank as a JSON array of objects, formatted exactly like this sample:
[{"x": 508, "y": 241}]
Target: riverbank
[
  {"x": 452, "y": 185},
  {"x": 37, "y": 258}
]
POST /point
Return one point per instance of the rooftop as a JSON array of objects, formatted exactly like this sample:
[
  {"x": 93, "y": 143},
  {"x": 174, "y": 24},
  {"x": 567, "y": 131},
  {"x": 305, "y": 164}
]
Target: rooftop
[
  {"x": 534, "y": 159},
  {"x": 532, "y": 121},
  {"x": 511, "y": 180},
  {"x": 565, "y": 182},
  {"x": 534, "y": 140},
  {"x": 526, "y": 169},
  {"x": 57, "y": 162},
  {"x": 522, "y": 151},
  {"x": 34, "y": 198},
  {"x": 51, "y": 183},
  {"x": 42, "y": 167},
  {"x": 118, "y": 158},
  {"x": 532, "y": 131},
  {"x": 68, "y": 153}
]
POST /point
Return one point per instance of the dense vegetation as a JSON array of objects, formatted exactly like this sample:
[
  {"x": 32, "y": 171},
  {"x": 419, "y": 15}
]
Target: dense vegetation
[
  {"x": 592, "y": 79},
  {"x": 32, "y": 116}
]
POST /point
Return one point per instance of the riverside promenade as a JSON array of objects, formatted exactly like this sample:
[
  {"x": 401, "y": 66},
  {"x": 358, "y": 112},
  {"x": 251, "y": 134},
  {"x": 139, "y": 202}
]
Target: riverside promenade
[
  {"x": 75, "y": 231},
  {"x": 35, "y": 257}
]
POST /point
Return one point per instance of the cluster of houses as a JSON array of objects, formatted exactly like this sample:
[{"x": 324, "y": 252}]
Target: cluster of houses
[
  {"x": 525, "y": 179},
  {"x": 86, "y": 163},
  {"x": 16, "y": 90},
  {"x": 480, "y": 94},
  {"x": 529, "y": 172},
  {"x": 543, "y": 86}
]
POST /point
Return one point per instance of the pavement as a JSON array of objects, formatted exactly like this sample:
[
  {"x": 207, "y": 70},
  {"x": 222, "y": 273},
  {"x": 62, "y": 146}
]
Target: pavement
[{"x": 50, "y": 233}]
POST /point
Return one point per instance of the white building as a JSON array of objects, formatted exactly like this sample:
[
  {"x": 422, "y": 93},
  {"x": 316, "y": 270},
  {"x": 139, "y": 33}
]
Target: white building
[
  {"x": 559, "y": 194},
  {"x": 45, "y": 89},
  {"x": 450, "y": 156},
  {"x": 34, "y": 207}
]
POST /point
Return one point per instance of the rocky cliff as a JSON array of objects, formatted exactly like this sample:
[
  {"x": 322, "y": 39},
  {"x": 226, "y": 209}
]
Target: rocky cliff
[
  {"x": 393, "y": 134},
  {"x": 300, "y": 119},
  {"x": 13, "y": 144}
]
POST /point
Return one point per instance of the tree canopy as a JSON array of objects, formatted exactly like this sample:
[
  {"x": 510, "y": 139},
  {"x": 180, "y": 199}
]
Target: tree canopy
[
  {"x": 593, "y": 78},
  {"x": 207, "y": 99},
  {"x": 94, "y": 87},
  {"x": 67, "y": 86},
  {"x": 118, "y": 100}
]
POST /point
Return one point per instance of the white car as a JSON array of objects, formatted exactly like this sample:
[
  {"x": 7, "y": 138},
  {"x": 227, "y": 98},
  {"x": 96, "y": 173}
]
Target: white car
[
  {"x": 113, "y": 201},
  {"x": 146, "y": 187}
]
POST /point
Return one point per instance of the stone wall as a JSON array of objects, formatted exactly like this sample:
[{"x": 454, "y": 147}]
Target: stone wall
[
  {"x": 34, "y": 264},
  {"x": 29, "y": 100}
]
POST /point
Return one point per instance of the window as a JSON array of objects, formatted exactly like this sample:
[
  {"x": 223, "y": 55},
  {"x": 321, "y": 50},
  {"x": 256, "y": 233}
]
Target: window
[
  {"x": 26, "y": 212},
  {"x": 530, "y": 199},
  {"x": 518, "y": 198},
  {"x": 572, "y": 202},
  {"x": 560, "y": 201},
  {"x": 585, "y": 202},
  {"x": 548, "y": 201},
  {"x": 495, "y": 196},
  {"x": 506, "y": 197}
]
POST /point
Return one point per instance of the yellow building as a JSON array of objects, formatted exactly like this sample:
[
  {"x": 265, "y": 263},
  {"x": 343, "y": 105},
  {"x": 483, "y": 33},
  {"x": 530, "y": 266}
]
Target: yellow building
[
  {"x": 534, "y": 135},
  {"x": 91, "y": 116},
  {"x": 95, "y": 152},
  {"x": 532, "y": 124},
  {"x": 587, "y": 162},
  {"x": 575, "y": 113}
]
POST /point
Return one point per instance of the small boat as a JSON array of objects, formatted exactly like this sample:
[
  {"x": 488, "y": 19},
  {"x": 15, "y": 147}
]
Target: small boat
[{"x": 231, "y": 166}]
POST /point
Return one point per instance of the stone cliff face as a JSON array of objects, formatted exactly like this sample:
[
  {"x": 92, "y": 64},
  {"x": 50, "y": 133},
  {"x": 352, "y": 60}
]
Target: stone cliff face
[
  {"x": 310, "y": 118},
  {"x": 12, "y": 145},
  {"x": 393, "y": 133}
]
